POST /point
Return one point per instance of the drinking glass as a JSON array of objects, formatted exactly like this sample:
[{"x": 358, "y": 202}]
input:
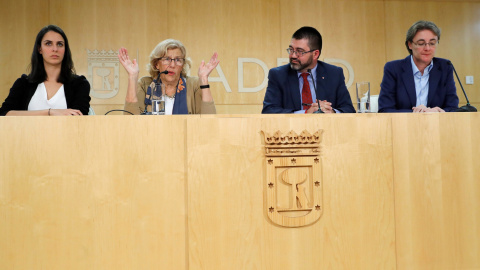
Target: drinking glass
[
  {"x": 363, "y": 97},
  {"x": 158, "y": 105}
]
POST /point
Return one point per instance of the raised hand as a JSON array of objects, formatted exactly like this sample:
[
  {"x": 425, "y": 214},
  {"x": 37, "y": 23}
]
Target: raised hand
[
  {"x": 130, "y": 66},
  {"x": 206, "y": 68}
]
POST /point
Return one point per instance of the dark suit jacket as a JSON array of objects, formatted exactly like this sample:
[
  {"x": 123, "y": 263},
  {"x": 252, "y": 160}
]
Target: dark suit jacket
[
  {"x": 77, "y": 95},
  {"x": 398, "y": 94},
  {"x": 283, "y": 92}
]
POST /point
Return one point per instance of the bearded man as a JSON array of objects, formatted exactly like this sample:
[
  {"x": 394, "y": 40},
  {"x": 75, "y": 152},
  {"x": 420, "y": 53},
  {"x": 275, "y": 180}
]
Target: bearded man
[{"x": 306, "y": 83}]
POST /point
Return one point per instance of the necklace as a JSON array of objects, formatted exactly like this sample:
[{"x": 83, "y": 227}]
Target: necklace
[
  {"x": 179, "y": 87},
  {"x": 174, "y": 93}
]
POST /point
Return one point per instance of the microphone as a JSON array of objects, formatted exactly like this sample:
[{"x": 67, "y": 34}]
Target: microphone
[
  {"x": 468, "y": 107},
  {"x": 315, "y": 88},
  {"x": 164, "y": 72}
]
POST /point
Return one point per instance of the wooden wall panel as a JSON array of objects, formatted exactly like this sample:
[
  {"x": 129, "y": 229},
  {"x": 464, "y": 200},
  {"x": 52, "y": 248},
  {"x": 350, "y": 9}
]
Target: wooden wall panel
[
  {"x": 437, "y": 191},
  {"x": 106, "y": 25},
  {"x": 235, "y": 29},
  {"x": 459, "y": 40},
  {"x": 365, "y": 33},
  {"x": 91, "y": 195},
  {"x": 228, "y": 226},
  {"x": 351, "y": 30},
  {"x": 239, "y": 109},
  {"x": 20, "y": 22}
]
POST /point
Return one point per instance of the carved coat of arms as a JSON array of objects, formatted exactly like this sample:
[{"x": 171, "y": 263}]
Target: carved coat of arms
[
  {"x": 103, "y": 73},
  {"x": 293, "y": 178}
]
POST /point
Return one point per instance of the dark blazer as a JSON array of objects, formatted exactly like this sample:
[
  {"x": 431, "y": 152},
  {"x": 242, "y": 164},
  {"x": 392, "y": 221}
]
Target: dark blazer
[
  {"x": 283, "y": 92},
  {"x": 77, "y": 95},
  {"x": 398, "y": 94}
]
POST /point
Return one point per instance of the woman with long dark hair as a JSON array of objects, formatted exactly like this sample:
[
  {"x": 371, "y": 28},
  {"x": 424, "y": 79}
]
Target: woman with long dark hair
[{"x": 52, "y": 87}]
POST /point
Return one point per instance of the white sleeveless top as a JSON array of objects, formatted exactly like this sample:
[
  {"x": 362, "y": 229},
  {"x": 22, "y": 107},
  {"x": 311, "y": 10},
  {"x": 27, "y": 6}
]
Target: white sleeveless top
[{"x": 39, "y": 100}]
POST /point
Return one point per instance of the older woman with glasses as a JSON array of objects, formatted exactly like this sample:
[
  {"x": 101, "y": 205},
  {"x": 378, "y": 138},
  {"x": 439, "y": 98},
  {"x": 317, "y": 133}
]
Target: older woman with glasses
[
  {"x": 421, "y": 82},
  {"x": 168, "y": 68}
]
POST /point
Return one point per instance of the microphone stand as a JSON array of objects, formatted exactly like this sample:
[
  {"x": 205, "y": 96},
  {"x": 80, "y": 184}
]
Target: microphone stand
[
  {"x": 315, "y": 88},
  {"x": 467, "y": 107},
  {"x": 319, "y": 110}
]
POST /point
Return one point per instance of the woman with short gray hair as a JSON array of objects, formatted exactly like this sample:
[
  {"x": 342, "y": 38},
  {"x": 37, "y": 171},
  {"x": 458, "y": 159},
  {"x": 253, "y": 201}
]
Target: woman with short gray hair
[
  {"x": 168, "y": 68},
  {"x": 421, "y": 82}
]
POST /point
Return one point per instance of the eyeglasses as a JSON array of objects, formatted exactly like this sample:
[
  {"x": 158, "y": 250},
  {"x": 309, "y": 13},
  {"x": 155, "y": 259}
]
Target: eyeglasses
[
  {"x": 422, "y": 43},
  {"x": 168, "y": 60},
  {"x": 297, "y": 52}
]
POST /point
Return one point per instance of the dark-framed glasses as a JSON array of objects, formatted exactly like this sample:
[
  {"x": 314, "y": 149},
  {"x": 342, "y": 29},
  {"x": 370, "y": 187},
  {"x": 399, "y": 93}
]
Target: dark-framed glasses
[
  {"x": 168, "y": 60},
  {"x": 298, "y": 52},
  {"x": 422, "y": 43}
]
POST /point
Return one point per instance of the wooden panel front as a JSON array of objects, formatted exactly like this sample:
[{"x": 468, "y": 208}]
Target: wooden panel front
[
  {"x": 228, "y": 225},
  {"x": 400, "y": 191},
  {"x": 437, "y": 192},
  {"x": 103, "y": 192}
]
